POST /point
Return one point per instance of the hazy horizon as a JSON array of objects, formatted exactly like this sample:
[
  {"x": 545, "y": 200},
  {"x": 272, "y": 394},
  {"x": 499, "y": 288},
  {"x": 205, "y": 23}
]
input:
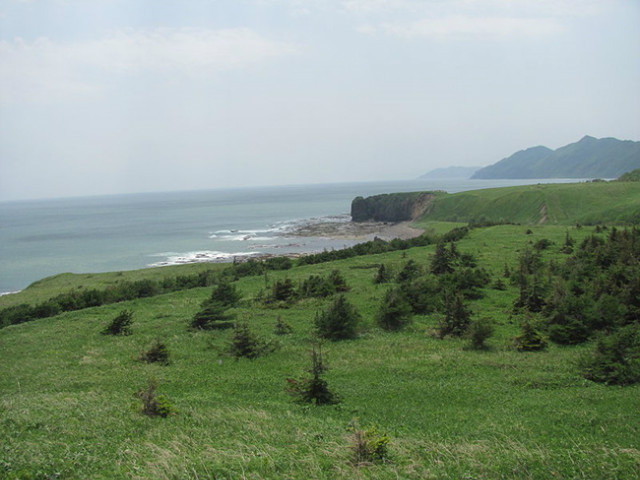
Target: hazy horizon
[{"x": 114, "y": 97}]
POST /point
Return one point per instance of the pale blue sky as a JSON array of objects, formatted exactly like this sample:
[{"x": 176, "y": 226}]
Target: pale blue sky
[{"x": 108, "y": 96}]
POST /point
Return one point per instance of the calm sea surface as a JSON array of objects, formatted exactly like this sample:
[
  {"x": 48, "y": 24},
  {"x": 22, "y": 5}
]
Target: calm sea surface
[{"x": 96, "y": 234}]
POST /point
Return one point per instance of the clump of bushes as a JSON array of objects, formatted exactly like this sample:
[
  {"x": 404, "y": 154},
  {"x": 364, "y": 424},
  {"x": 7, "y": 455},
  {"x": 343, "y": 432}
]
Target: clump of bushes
[
  {"x": 120, "y": 325},
  {"x": 616, "y": 358},
  {"x": 213, "y": 316},
  {"x": 530, "y": 340},
  {"x": 395, "y": 312},
  {"x": 245, "y": 344},
  {"x": 282, "y": 327},
  {"x": 478, "y": 332}
]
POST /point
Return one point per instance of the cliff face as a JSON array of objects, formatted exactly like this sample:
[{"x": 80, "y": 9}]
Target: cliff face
[{"x": 390, "y": 207}]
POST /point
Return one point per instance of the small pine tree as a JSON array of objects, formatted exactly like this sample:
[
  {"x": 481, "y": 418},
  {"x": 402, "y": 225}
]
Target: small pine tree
[
  {"x": 456, "y": 318},
  {"x": 395, "y": 311},
  {"x": 383, "y": 275},
  {"x": 244, "y": 343},
  {"x": 314, "y": 390},
  {"x": 530, "y": 340},
  {"x": 339, "y": 321},
  {"x": 154, "y": 405},
  {"x": 338, "y": 281},
  {"x": 225, "y": 294},
  {"x": 616, "y": 358},
  {"x": 282, "y": 327},
  {"x": 213, "y": 316},
  {"x": 441, "y": 260},
  {"x": 120, "y": 325},
  {"x": 478, "y": 332},
  {"x": 409, "y": 271}
]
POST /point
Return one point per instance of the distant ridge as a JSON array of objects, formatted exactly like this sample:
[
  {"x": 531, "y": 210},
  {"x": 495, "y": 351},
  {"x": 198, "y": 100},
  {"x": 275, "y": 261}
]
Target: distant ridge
[
  {"x": 450, "y": 172},
  {"x": 588, "y": 158}
]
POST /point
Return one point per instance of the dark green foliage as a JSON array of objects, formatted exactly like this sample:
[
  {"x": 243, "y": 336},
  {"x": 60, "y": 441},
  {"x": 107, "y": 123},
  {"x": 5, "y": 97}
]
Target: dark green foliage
[
  {"x": 632, "y": 176},
  {"x": 569, "y": 242},
  {"x": 456, "y": 317},
  {"x": 213, "y": 316},
  {"x": 530, "y": 340},
  {"x": 225, "y": 294},
  {"x": 316, "y": 287},
  {"x": 282, "y": 291},
  {"x": 423, "y": 294},
  {"x": 157, "y": 353},
  {"x": 409, "y": 271},
  {"x": 542, "y": 244},
  {"x": 383, "y": 274},
  {"x": 312, "y": 390},
  {"x": 339, "y": 321},
  {"x": 278, "y": 263},
  {"x": 395, "y": 312},
  {"x": 337, "y": 281},
  {"x": 154, "y": 405},
  {"x": 498, "y": 284},
  {"x": 616, "y": 358},
  {"x": 282, "y": 327},
  {"x": 244, "y": 343},
  {"x": 441, "y": 262},
  {"x": 120, "y": 325},
  {"x": 479, "y": 331}
]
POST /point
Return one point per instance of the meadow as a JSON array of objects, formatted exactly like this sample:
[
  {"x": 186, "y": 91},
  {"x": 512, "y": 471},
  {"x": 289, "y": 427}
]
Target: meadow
[{"x": 68, "y": 404}]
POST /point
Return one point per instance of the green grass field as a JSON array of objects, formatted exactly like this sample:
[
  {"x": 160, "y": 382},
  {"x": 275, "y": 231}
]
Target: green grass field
[{"x": 68, "y": 407}]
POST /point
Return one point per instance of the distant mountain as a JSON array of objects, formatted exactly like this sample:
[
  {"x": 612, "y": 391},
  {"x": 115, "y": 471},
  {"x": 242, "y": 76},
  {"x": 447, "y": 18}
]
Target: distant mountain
[
  {"x": 588, "y": 158},
  {"x": 451, "y": 172}
]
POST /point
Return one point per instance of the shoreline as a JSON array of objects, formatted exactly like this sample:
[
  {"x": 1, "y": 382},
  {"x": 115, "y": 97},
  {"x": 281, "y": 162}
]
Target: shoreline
[{"x": 358, "y": 231}]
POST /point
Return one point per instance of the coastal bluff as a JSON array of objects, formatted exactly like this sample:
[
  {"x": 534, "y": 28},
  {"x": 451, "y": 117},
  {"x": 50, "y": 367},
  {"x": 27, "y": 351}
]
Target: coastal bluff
[{"x": 391, "y": 207}]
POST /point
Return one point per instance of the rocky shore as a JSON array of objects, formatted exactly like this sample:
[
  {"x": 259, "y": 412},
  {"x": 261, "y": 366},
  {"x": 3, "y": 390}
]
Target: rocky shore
[{"x": 358, "y": 231}]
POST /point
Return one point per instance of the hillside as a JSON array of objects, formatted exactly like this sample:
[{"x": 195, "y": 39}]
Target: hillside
[
  {"x": 69, "y": 407},
  {"x": 588, "y": 203},
  {"x": 588, "y": 158}
]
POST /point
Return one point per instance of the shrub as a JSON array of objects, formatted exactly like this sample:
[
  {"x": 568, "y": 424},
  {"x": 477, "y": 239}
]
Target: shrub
[
  {"x": 282, "y": 327},
  {"x": 542, "y": 244},
  {"x": 157, "y": 353},
  {"x": 313, "y": 390},
  {"x": 225, "y": 294},
  {"x": 213, "y": 316},
  {"x": 456, "y": 318},
  {"x": 409, "y": 271},
  {"x": 245, "y": 344},
  {"x": 441, "y": 262},
  {"x": 616, "y": 358},
  {"x": 369, "y": 446},
  {"x": 120, "y": 325},
  {"x": 530, "y": 340},
  {"x": 383, "y": 275},
  {"x": 339, "y": 321},
  {"x": 478, "y": 332},
  {"x": 338, "y": 282},
  {"x": 395, "y": 311},
  {"x": 155, "y": 405}
]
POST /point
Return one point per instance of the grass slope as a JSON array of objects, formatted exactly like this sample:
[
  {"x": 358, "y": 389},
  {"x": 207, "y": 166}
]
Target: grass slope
[
  {"x": 561, "y": 204},
  {"x": 67, "y": 406}
]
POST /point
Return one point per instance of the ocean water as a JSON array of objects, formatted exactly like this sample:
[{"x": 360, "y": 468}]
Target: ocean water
[{"x": 40, "y": 238}]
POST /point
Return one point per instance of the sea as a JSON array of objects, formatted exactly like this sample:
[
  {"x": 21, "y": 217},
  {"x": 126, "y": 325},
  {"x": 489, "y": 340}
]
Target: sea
[{"x": 40, "y": 238}]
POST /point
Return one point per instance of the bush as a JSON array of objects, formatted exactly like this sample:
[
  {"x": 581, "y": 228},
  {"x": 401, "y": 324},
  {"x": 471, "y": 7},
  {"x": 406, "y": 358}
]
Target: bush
[
  {"x": 120, "y": 325},
  {"x": 213, "y": 316},
  {"x": 369, "y": 446},
  {"x": 225, "y": 294},
  {"x": 245, "y": 344},
  {"x": 478, "y": 332},
  {"x": 383, "y": 275},
  {"x": 395, "y": 311},
  {"x": 157, "y": 353},
  {"x": 456, "y": 318},
  {"x": 155, "y": 405},
  {"x": 313, "y": 390},
  {"x": 616, "y": 358},
  {"x": 282, "y": 327},
  {"x": 339, "y": 321},
  {"x": 530, "y": 340}
]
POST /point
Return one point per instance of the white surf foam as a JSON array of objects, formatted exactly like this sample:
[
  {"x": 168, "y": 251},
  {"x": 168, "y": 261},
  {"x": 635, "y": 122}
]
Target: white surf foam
[{"x": 205, "y": 256}]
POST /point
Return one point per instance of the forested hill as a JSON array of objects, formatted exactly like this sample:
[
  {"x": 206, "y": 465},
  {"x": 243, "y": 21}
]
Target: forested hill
[
  {"x": 588, "y": 158},
  {"x": 560, "y": 204}
]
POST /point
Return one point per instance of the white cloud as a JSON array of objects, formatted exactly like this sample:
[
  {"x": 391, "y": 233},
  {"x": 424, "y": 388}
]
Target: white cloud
[{"x": 43, "y": 67}]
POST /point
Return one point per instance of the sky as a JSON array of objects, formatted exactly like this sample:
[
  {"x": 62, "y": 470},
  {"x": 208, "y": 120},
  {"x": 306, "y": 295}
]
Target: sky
[{"x": 120, "y": 96}]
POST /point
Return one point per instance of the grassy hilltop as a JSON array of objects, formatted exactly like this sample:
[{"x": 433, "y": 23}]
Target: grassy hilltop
[{"x": 433, "y": 407}]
